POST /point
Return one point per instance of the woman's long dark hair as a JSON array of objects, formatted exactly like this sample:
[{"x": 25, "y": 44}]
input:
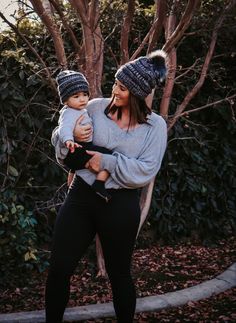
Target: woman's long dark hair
[{"x": 139, "y": 110}]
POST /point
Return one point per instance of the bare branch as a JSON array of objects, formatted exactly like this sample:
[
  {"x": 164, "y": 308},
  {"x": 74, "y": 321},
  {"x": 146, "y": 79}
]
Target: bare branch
[
  {"x": 205, "y": 67},
  {"x": 125, "y": 30},
  {"x": 182, "y": 26},
  {"x": 165, "y": 101},
  {"x": 57, "y": 7},
  {"x": 190, "y": 68},
  {"x": 212, "y": 104},
  {"x": 53, "y": 30},
  {"x": 144, "y": 42},
  {"x": 81, "y": 9},
  {"x": 159, "y": 20}
]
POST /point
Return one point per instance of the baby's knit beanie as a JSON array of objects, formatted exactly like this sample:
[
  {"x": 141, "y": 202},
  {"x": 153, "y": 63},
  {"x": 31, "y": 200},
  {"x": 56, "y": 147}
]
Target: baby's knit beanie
[
  {"x": 143, "y": 74},
  {"x": 69, "y": 83}
]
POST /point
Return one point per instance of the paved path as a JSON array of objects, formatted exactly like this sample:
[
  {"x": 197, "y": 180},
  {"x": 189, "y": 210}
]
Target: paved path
[{"x": 206, "y": 289}]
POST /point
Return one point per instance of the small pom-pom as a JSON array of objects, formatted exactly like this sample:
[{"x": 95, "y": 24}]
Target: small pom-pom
[{"x": 158, "y": 59}]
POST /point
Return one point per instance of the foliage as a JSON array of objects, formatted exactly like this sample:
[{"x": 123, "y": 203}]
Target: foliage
[
  {"x": 28, "y": 171},
  {"x": 18, "y": 236},
  {"x": 194, "y": 192}
]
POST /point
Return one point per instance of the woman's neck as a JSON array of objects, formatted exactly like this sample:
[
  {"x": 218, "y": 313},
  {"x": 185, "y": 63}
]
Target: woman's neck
[{"x": 124, "y": 121}]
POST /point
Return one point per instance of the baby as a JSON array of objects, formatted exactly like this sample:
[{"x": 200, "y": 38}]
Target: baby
[{"x": 73, "y": 90}]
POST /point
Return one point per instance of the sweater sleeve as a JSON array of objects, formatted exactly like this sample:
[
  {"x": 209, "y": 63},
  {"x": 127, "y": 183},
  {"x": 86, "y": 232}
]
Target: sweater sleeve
[
  {"x": 137, "y": 172},
  {"x": 66, "y": 123}
]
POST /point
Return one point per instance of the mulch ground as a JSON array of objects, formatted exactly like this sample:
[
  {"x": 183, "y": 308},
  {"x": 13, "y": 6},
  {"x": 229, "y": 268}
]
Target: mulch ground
[{"x": 156, "y": 270}]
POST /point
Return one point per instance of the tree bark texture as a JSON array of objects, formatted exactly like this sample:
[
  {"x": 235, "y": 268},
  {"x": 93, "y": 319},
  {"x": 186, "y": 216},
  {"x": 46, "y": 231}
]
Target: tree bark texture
[
  {"x": 172, "y": 61},
  {"x": 88, "y": 13},
  {"x": 53, "y": 29},
  {"x": 159, "y": 18},
  {"x": 125, "y": 30}
]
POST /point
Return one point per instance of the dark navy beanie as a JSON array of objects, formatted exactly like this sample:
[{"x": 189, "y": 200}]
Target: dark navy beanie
[
  {"x": 69, "y": 83},
  {"x": 143, "y": 74}
]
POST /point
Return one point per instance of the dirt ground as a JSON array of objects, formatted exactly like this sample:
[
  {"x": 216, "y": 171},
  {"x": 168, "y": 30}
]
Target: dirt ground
[{"x": 156, "y": 270}]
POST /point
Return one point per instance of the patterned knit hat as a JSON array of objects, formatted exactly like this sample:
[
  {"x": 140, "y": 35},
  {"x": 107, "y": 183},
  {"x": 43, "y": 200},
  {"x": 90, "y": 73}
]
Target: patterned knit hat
[
  {"x": 69, "y": 83},
  {"x": 143, "y": 74}
]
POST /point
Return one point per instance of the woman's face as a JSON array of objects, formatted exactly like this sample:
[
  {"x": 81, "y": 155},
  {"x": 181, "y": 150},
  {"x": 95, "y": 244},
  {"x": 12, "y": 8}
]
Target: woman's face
[{"x": 121, "y": 94}]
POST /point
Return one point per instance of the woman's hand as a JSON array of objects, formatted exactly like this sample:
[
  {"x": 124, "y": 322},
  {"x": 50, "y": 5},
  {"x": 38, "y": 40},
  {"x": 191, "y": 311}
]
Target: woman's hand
[
  {"x": 95, "y": 162},
  {"x": 82, "y": 133}
]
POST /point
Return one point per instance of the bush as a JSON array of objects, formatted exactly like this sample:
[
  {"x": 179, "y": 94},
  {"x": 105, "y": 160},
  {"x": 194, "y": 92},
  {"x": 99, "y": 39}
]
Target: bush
[
  {"x": 194, "y": 195},
  {"x": 28, "y": 168},
  {"x": 18, "y": 238}
]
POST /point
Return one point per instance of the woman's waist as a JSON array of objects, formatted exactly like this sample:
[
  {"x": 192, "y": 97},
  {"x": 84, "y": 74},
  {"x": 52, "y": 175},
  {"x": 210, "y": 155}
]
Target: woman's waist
[{"x": 89, "y": 178}]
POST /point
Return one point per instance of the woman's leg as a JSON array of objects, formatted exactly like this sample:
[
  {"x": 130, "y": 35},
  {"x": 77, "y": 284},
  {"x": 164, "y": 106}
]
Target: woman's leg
[
  {"x": 74, "y": 231},
  {"x": 117, "y": 229}
]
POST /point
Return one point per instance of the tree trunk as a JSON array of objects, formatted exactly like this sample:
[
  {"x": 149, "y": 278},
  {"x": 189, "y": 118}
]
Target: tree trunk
[{"x": 93, "y": 43}]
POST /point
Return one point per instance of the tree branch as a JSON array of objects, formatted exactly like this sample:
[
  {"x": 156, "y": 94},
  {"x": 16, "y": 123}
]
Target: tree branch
[
  {"x": 205, "y": 66},
  {"x": 53, "y": 30},
  {"x": 190, "y": 68},
  {"x": 182, "y": 26},
  {"x": 125, "y": 30},
  {"x": 81, "y": 9},
  {"x": 57, "y": 7},
  {"x": 165, "y": 101},
  {"x": 159, "y": 20},
  {"x": 144, "y": 42},
  {"x": 208, "y": 105}
]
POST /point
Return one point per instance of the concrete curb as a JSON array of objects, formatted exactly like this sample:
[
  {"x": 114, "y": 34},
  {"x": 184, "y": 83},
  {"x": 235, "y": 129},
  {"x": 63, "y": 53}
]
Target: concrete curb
[{"x": 217, "y": 285}]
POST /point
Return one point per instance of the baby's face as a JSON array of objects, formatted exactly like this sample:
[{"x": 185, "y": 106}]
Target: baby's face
[{"x": 78, "y": 101}]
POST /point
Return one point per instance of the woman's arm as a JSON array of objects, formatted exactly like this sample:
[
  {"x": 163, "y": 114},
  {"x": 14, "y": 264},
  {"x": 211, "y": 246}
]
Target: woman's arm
[
  {"x": 82, "y": 133},
  {"x": 134, "y": 172}
]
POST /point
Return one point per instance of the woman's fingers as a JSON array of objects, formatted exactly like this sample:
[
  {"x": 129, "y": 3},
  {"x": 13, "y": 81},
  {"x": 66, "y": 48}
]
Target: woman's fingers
[
  {"x": 86, "y": 132},
  {"x": 94, "y": 163},
  {"x": 79, "y": 120},
  {"x": 82, "y": 133}
]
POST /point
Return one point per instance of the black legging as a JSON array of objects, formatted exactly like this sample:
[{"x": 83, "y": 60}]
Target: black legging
[{"x": 82, "y": 215}]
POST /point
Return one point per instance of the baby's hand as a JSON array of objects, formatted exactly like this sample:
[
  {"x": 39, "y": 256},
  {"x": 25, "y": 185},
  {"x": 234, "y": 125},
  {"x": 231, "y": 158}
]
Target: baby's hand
[{"x": 71, "y": 145}]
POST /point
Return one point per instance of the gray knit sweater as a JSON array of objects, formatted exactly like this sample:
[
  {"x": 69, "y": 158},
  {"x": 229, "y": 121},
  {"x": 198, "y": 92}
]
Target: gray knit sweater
[
  {"x": 64, "y": 130},
  {"x": 137, "y": 154},
  {"x": 67, "y": 121}
]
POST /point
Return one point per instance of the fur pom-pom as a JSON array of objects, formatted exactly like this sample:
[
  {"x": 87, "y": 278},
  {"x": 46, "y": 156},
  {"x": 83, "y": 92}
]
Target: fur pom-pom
[
  {"x": 157, "y": 53},
  {"x": 158, "y": 59}
]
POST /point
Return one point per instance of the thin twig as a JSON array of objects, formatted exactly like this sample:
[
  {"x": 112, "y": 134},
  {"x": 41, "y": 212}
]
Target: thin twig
[{"x": 207, "y": 105}]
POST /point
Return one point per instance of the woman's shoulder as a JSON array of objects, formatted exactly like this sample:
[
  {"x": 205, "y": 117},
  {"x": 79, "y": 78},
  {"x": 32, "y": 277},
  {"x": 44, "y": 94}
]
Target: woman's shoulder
[
  {"x": 98, "y": 104},
  {"x": 156, "y": 120}
]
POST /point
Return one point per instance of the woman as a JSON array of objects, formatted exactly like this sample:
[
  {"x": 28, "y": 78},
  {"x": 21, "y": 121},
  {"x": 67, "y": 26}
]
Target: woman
[{"x": 125, "y": 125}]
